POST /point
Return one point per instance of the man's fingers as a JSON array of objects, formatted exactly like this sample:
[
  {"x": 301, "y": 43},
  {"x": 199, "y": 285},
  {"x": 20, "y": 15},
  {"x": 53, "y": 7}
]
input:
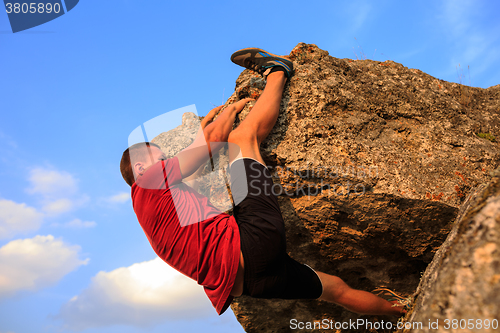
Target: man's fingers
[
  {"x": 238, "y": 106},
  {"x": 246, "y": 100},
  {"x": 214, "y": 111},
  {"x": 217, "y": 108},
  {"x": 210, "y": 116},
  {"x": 241, "y": 103}
]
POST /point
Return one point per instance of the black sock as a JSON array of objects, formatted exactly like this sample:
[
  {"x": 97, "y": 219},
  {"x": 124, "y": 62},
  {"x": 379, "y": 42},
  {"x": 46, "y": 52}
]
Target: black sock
[{"x": 277, "y": 68}]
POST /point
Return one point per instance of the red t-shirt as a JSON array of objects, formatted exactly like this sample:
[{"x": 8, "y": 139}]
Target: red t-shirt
[{"x": 207, "y": 251}]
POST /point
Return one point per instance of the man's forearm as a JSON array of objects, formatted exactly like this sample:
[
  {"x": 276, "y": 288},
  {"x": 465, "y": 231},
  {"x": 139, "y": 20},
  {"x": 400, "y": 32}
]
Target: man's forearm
[
  {"x": 193, "y": 180},
  {"x": 214, "y": 137}
]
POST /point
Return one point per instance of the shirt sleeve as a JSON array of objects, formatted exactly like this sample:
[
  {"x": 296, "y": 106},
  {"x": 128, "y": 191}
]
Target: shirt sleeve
[
  {"x": 161, "y": 175},
  {"x": 172, "y": 171}
]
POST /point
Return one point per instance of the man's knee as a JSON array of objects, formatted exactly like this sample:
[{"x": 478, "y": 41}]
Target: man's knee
[
  {"x": 242, "y": 137},
  {"x": 333, "y": 287}
]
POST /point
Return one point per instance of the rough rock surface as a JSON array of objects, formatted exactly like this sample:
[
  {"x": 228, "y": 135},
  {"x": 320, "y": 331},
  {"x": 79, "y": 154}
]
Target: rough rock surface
[
  {"x": 371, "y": 161},
  {"x": 404, "y": 143},
  {"x": 460, "y": 288}
]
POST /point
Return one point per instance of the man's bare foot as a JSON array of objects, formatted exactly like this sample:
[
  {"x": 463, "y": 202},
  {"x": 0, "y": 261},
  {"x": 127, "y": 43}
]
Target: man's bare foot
[{"x": 399, "y": 308}]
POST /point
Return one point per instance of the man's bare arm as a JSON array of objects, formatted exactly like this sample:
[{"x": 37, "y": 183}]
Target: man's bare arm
[{"x": 215, "y": 133}]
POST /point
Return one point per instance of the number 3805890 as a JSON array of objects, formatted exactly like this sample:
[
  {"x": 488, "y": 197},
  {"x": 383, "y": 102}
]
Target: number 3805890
[{"x": 32, "y": 8}]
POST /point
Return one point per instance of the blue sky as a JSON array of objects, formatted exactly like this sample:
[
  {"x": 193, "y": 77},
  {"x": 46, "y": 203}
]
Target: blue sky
[{"x": 72, "y": 254}]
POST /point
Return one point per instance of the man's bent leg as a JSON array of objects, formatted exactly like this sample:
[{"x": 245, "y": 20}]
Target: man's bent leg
[
  {"x": 250, "y": 134},
  {"x": 260, "y": 121},
  {"x": 337, "y": 291},
  {"x": 238, "y": 281}
]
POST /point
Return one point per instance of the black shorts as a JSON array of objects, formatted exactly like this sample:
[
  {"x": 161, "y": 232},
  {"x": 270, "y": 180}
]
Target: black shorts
[{"x": 269, "y": 271}]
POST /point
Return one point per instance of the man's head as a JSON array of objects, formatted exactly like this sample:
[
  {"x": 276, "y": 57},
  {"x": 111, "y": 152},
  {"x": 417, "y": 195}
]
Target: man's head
[{"x": 137, "y": 158}]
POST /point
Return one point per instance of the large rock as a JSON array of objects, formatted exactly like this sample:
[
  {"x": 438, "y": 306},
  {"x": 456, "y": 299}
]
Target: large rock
[
  {"x": 371, "y": 162},
  {"x": 460, "y": 288},
  {"x": 404, "y": 143}
]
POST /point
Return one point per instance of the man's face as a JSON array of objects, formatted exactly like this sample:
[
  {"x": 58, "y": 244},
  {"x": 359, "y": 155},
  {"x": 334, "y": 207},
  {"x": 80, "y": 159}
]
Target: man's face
[{"x": 154, "y": 155}]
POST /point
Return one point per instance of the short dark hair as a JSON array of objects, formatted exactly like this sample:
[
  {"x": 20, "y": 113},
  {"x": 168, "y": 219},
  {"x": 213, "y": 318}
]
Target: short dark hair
[{"x": 140, "y": 151}]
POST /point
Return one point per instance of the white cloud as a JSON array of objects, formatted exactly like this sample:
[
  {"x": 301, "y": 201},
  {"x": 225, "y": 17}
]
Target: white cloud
[
  {"x": 52, "y": 183},
  {"x": 120, "y": 197},
  {"x": 58, "y": 190},
  {"x": 143, "y": 294},
  {"x": 58, "y": 206},
  {"x": 35, "y": 263},
  {"x": 17, "y": 219},
  {"x": 76, "y": 224}
]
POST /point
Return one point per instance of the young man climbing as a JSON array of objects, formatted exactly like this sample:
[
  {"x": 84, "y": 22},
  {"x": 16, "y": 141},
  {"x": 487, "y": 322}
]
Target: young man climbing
[{"x": 244, "y": 254}]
